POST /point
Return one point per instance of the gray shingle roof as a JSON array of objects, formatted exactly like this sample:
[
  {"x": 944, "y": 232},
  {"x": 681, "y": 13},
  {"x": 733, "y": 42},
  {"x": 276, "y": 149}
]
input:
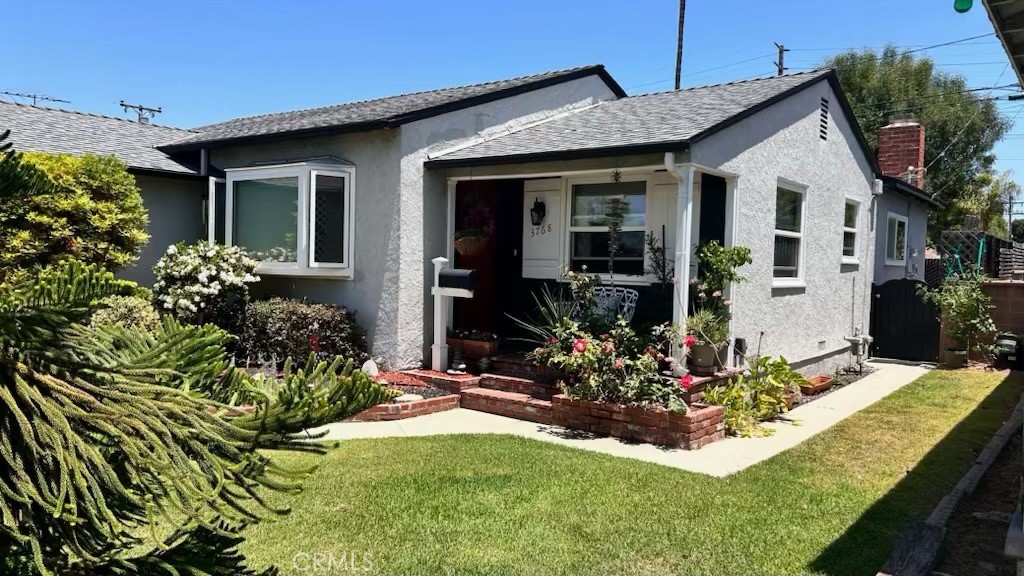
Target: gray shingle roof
[
  {"x": 378, "y": 113},
  {"x": 650, "y": 120},
  {"x": 63, "y": 131}
]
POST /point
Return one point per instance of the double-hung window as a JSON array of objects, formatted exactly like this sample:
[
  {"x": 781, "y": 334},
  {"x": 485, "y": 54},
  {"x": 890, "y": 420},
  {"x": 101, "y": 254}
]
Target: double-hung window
[
  {"x": 591, "y": 208},
  {"x": 789, "y": 215},
  {"x": 896, "y": 240},
  {"x": 296, "y": 219},
  {"x": 850, "y": 214}
]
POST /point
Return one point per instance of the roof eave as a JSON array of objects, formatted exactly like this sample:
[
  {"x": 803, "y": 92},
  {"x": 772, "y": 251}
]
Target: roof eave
[
  {"x": 999, "y": 25},
  {"x": 574, "y": 154},
  {"x": 909, "y": 190},
  {"x": 396, "y": 121},
  {"x": 144, "y": 171}
]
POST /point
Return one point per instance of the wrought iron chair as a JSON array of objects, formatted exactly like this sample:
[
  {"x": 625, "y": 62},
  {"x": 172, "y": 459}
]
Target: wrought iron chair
[{"x": 613, "y": 301}]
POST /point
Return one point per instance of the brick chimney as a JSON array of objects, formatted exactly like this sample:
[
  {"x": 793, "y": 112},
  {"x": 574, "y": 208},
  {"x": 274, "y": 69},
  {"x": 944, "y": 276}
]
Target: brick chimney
[{"x": 901, "y": 150}]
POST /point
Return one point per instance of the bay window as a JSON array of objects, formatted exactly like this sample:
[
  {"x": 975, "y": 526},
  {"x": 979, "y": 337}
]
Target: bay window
[
  {"x": 789, "y": 211},
  {"x": 590, "y": 207},
  {"x": 295, "y": 219}
]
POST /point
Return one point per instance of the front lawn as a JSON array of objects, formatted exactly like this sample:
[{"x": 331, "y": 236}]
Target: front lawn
[{"x": 496, "y": 504}]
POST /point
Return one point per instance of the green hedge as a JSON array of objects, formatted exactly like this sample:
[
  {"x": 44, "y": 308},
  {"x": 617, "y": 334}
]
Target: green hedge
[{"x": 278, "y": 328}]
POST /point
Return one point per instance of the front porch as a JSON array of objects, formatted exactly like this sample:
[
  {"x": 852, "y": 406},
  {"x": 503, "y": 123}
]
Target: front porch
[{"x": 520, "y": 231}]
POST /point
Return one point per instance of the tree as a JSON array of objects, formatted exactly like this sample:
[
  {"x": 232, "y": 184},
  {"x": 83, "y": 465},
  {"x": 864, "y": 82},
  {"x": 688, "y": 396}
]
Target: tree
[
  {"x": 90, "y": 210},
  {"x": 125, "y": 452},
  {"x": 988, "y": 197},
  {"x": 961, "y": 126},
  {"x": 1017, "y": 231}
]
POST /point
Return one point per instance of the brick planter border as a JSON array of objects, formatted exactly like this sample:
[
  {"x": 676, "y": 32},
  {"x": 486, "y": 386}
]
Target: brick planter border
[
  {"x": 403, "y": 410},
  {"x": 453, "y": 383},
  {"x": 699, "y": 427}
]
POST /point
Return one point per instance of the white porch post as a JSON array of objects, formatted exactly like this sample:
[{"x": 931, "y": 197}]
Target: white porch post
[
  {"x": 684, "y": 215},
  {"x": 439, "y": 349},
  {"x": 211, "y": 211}
]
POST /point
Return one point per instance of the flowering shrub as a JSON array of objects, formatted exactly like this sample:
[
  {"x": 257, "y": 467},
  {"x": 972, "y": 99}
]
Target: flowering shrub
[
  {"x": 278, "y": 328},
  {"x": 128, "y": 311},
  {"x": 203, "y": 282}
]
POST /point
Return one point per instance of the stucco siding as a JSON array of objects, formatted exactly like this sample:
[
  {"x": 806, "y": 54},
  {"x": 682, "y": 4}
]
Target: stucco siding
[
  {"x": 916, "y": 213},
  {"x": 424, "y": 193},
  {"x": 782, "y": 142},
  {"x": 374, "y": 288},
  {"x": 175, "y": 207}
]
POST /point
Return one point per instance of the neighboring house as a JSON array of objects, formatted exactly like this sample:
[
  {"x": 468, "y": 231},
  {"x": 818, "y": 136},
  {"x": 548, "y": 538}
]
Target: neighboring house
[
  {"x": 350, "y": 203},
  {"x": 172, "y": 192},
  {"x": 902, "y": 219}
]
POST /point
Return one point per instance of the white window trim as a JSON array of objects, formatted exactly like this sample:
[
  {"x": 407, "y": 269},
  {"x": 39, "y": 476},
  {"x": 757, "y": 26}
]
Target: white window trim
[
  {"x": 305, "y": 173},
  {"x": 900, "y": 218},
  {"x": 619, "y": 279},
  {"x": 855, "y": 259},
  {"x": 800, "y": 280}
]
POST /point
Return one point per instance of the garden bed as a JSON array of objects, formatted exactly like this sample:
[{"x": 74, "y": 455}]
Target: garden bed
[
  {"x": 839, "y": 381},
  {"x": 434, "y": 399},
  {"x": 699, "y": 427}
]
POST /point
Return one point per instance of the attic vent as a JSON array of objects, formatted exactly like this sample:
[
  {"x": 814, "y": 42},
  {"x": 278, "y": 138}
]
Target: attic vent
[{"x": 823, "y": 124}]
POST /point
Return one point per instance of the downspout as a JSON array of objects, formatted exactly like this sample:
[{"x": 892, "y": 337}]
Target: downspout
[{"x": 684, "y": 209}]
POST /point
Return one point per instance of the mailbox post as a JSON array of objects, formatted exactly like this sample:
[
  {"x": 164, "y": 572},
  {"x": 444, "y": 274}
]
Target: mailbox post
[{"x": 448, "y": 283}]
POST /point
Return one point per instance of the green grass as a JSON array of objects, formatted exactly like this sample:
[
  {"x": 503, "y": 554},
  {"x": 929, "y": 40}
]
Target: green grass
[{"x": 497, "y": 505}]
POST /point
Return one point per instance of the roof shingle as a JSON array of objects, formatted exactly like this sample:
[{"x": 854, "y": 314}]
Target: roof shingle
[
  {"x": 664, "y": 118},
  {"x": 378, "y": 113},
  {"x": 63, "y": 131}
]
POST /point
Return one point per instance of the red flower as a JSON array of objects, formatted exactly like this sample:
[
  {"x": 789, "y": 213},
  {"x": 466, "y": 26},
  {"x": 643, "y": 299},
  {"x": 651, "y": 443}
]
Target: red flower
[
  {"x": 553, "y": 340},
  {"x": 314, "y": 343},
  {"x": 618, "y": 363},
  {"x": 579, "y": 345},
  {"x": 686, "y": 382},
  {"x": 689, "y": 341}
]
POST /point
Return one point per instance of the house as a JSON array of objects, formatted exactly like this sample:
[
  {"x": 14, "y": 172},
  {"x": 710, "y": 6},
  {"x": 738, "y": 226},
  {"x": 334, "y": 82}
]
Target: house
[
  {"x": 351, "y": 203},
  {"x": 903, "y": 208},
  {"x": 173, "y": 193}
]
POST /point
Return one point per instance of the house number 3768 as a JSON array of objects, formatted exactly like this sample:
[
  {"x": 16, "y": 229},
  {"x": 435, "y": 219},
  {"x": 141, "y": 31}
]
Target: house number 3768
[{"x": 540, "y": 230}]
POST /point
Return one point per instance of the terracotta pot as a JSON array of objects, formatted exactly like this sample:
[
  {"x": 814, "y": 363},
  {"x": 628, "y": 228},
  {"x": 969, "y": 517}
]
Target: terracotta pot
[
  {"x": 954, "y": 358},
  {"x": 702, "y": 359},
  {"x": 816, "y": 385},
  {"x": 789, "y": 399},
  {"x": 471, "y": 245}
]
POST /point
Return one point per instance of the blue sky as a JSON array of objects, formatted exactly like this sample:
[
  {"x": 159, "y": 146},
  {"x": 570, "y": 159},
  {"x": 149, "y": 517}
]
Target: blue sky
[{"x": 209, "y": 61}]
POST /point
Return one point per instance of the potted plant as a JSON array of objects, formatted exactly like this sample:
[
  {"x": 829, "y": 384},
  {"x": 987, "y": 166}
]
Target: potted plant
[
  {"x": 707, "y": 333},
  {"x": 963, "y": 307},
  {"x": 476, "y": 344},
  {"x": 816, "y": 385}
]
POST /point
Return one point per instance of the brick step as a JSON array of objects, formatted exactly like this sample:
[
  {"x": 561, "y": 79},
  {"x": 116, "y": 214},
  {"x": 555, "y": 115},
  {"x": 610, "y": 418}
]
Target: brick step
[
  {"x": 518, "y": 366},
  {"x": 517, "y": 385},
  {"x": 509, "y": 404}
]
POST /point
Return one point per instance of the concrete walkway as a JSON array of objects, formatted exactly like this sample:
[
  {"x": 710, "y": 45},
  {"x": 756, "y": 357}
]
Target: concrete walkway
[{"x": 719, "y": 459}]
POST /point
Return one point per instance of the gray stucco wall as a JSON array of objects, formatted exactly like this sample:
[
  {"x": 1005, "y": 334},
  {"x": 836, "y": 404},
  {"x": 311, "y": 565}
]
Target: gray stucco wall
[
  {"x": 375, "y": 284},
  {"x": 782, "y": 141},
  {"x": 916, "y": 213},
  {"x": 175, "y": 207}
]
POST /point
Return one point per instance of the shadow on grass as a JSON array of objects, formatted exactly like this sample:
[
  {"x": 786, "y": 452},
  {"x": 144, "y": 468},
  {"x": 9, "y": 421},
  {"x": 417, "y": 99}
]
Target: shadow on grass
[{"x": 866, "y": 545}]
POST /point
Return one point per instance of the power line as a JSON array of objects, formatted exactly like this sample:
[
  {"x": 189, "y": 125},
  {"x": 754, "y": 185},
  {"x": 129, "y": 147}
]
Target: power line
[
  {"x": 699, "y": 72},
  {"x": 909, "y": 48},
  {"x": 950, "y": 43}
]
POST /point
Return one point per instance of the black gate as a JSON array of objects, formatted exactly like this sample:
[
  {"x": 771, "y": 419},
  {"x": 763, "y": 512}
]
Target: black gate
[{"x": 903, "y": 326}]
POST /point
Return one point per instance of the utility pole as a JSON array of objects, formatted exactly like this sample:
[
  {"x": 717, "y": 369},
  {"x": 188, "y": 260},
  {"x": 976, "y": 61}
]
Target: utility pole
[
  {"x": 679, "y": 43},
  {"x": 780, "y": 64},
  {"x": 144, "y": 112}
]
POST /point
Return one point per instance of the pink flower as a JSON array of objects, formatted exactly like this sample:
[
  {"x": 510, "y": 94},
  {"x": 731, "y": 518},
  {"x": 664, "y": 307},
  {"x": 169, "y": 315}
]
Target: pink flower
[
  {"x": 618, "y": 363},
  {"x": 717, "y": 293},
  {"x": 689, "y": 341},
  {"x": 693, "y": 280},
  {"x": 608, "y": 347},
  {"x": 727, "y": 303},
  {"x": 686, "y": 382},
  {"x": 553, "y": 340},
  {"x": 670, "y": 360},
  {"x": 314, "y": 343},
  {"x": 579, "y": 345}
]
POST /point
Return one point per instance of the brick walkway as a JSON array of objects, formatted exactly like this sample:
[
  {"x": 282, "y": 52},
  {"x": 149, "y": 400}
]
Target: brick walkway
[{"x": 719, "y": 459}]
